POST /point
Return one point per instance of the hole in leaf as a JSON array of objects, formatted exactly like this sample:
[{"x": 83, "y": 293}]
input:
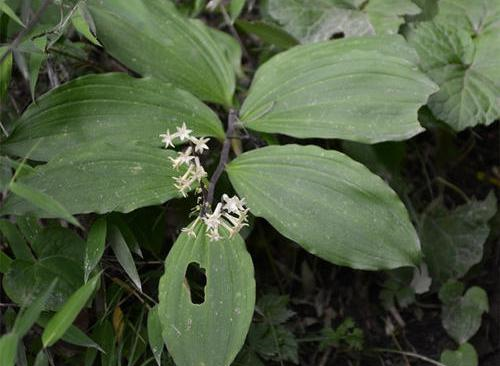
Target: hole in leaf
[
  {"x": 338, "y": 35},
  {"x": 196, "y": 280}
]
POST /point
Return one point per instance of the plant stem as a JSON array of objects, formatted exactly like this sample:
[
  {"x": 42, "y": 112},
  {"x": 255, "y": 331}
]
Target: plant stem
[
  {"x": 409, "y": 354},
  {"x": 224, "y": 156}
]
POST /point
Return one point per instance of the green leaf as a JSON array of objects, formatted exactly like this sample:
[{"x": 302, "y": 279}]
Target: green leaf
[
  {"x": 43, "y": 201},
  {"x": 361, "y": 89},
  {"x": 152, "y": 38},
  {"x": 124, "y": 256},
  {"x": 41, "y": 359},
  {"x": 36, "y": 60},
  {"x": 8, "y": 349},
  {"x": 94, "y": 250},
  {"x": 28, "y": 316},
  {"x": 63, "y": 319},
  {"x": 268, "y": 33},
  {"x": 17, "y": 243},
  {"x": 468, "y": 94},
  {"x": 84, "y": 24},
  {"x": 235, "y": 8},
  {"x": 59, "y": 255},
  {"x": 452, "y": 241},
  {"x": 461, "y": 317},
  {"x": 114, "y": 108},
  {"x": 73, "y": 335},
  {"x": 320, "y": 20},
  {"x": 5, "y": 73},
  {"x": 331, "y": 205},
  {"x": 154, "y": 334},
  {"x": 102, "y": 178},
  {"x": 5, "y": 8},
  {"x": 465, "y": 355},
  {"x": 210, "y": 333},
  {"x": 5, "y": 262}
]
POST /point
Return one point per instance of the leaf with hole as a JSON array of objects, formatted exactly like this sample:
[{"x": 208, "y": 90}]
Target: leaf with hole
[
  {"x": 59, "y": 254},
  {"x": 114, "y": 108},
  {"x": 205, "y": 322},
  {"x": 101, "y": 178},
  {"x": 360, "y": 89},
  {"x": 331, "y": 205},
  {"x": 153, "y": 38}
]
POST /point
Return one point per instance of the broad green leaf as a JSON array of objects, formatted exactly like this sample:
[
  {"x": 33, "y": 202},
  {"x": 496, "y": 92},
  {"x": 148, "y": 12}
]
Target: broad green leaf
[
  {"x": 5, "y": 8},
  {"x": 63, "y": 319},
  {"x": 42, "y": 201},
  {"x": 320, "y": 20},
  {"x": 73, "y": 334},
  {"x": 59, "y": 255},
  {"x": 94, "y": 250},
  {"x": 452, "y": 241},
  {"x": 331, "y": 205},
  {"x": 5, "y": 73},
  {"x": 154, "y": 334},
  {"x": 210, "y": 333},
  {"x": 28, "y": 316},
  {"x": 235, "y": 8},
  {"x": 152, "y": 38},
  {"x": 102, "y": 178},
  {"x": 465, "y": 355},
  {"x": 268, "y": 33},
  {"x": 361, "y": 89},
  {"x": 230, "y": 47},
  {"x": 8, "y": 349},
  {"x": 468, "y": 95},
  {"x": 114, "y": 108},
  {"x": 124, "y": 256},
  {"x": 461, "y": 317},
  {"x": 16, "y": 242}
]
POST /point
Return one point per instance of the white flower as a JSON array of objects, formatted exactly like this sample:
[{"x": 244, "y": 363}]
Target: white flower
[
  {"x": 200, "y": 144},
  {"x": 183, "y": 133},
  {"x": 199, "y": 172},
  {"x": 190, "y": 229},
  {"x": 182, "y": 158},
  {"x": 213, "y": 220},
  {"x": 167, "y": 139},
  {"x": 233, "y": 204}
]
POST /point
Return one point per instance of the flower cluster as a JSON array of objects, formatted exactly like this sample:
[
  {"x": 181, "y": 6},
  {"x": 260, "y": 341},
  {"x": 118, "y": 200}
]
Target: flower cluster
[
  {"x": 230, "y": 214},
  {"x": 194, "y": 172}
]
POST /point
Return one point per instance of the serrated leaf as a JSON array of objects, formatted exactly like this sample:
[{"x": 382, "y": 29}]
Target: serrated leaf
[
  {"x": 360, "y": 89},
  {"x": 114, "y": 108},
  {"x": 467, "y": 95},
  {"x": 59, "y": 255},
  {"x": 452, "y": 241},
  {"x": 319, "y": 20},
  {"x": 332, "y": 206},
  {"x": 152, "y": 38},
  {"x": 154, "y": 334},
  {"x": 461, "y": 318},
  {"x": 465, "y": 355},
  {"x": 124, "y": 256},
  {"x": 274, "y": 308},
  {"x": 63, "y": 319},
  {"x": 101, "y": 178},
  {"x": 8, "y": 349},
  {"x": 96, "y": 241},
  {"x": 210, "y": 333}
]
